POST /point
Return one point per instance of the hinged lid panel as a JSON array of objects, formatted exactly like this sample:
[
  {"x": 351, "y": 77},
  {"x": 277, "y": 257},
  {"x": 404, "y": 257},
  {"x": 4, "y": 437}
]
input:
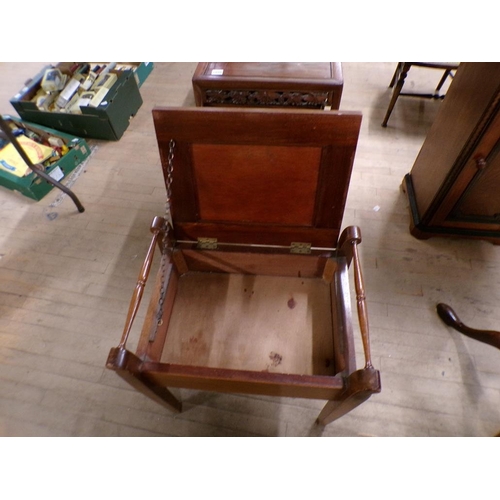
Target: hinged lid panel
[{"x": 258, "y": 175}]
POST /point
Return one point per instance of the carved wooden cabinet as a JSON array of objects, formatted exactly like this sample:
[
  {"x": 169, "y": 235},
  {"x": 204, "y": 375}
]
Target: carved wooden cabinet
[
  {"x": 454, "y": 184},
  {"x": 310, "y": 85}
]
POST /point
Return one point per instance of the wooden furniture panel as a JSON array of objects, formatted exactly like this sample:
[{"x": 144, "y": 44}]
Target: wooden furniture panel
[
  {"x": 262, "y": 171},
  {"x": 481, "y": 198},
  {"x": 313, "y": 85},
  {"x": 313, "y": 151},
  {"x": 453, "y": 185},
  {"x": 271, "y": 323}
]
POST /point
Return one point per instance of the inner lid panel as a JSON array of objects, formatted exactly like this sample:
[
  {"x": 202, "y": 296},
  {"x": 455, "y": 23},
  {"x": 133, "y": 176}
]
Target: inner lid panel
[{"x": 247, "y": 183}]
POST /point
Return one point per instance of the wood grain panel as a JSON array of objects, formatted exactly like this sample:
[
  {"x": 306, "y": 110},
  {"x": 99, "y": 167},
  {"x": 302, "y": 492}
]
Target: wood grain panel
[
  {"x": 258, "y": 176},
  {"x": 246, "y": 183},
  {"x": 249, "y": 322}
]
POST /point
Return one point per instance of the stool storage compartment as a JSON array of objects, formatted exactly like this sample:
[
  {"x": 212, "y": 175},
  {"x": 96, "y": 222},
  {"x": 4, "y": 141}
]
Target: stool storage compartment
[{"x": 252, "y": 295}]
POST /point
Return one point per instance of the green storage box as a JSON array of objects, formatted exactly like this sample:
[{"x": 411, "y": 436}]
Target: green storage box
[
  {"x": 142, "y": 71},
  {"x": 32, "y": 185},
  {"x": 107, "y": 121}
]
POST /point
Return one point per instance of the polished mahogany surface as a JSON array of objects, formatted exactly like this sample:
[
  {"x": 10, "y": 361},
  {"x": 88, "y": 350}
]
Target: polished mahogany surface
[
  {"x": 268, "y": 176},
  {"x": 313, "y": 85}
]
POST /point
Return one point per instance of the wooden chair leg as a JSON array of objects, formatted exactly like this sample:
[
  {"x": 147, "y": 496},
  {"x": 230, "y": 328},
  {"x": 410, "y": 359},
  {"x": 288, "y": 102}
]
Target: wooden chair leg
[
  {"x": 446, "y": 74},
  {"x": 126, "y": 365},
  {"x": 395, "y": 76},
  {"x": 360, "y": 386},
  {"x": 397, "y": 90},
  {"x": 447, "y": 314}
]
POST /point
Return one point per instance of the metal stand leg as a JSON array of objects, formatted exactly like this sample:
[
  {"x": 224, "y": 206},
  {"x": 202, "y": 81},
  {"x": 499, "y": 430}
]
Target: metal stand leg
[{"x": 38, "y": 171}]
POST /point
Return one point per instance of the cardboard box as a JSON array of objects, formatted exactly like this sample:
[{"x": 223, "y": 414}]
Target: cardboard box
[
  {"x": 142, "y": 71},
  {"x": 107, "y": 121},
  {"x": 32, "y": 185}
]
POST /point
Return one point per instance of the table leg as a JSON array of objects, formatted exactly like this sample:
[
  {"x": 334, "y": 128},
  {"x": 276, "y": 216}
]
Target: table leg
[{"x": 447, "y": 314}]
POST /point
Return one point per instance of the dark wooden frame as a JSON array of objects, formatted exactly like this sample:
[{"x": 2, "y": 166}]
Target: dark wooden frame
[
  {"x": 264, "y": 84},
  {"x": 337, "y": 136}
]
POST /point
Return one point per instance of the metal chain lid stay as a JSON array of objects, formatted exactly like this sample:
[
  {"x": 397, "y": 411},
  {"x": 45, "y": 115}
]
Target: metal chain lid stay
[
  {"x": 168, "y": 222},
  {"x": 168, "y": 184}
]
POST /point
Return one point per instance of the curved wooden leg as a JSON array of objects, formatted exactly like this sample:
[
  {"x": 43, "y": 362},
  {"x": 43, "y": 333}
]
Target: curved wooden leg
[
  {"x": 360, "y": 386},
  {"x": 447, "y": 314}
]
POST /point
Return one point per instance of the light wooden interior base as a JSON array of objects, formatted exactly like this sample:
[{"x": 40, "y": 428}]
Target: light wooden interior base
[
  {"x": 265, "y": 312},
  {"x": 252, "y": 322}
]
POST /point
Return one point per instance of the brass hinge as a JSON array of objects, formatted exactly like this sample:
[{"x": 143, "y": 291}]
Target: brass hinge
[
  {"x": 207, "y": 243},
  {"x": 296, "y": 247}
]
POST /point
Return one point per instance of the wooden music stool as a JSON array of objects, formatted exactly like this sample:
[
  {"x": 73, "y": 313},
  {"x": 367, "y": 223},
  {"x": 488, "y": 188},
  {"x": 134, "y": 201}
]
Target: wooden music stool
[{"x": 252, "y": 295}]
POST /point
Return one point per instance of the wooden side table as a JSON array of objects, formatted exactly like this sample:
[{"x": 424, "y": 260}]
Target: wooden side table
[{"x": 311, "y": 85}]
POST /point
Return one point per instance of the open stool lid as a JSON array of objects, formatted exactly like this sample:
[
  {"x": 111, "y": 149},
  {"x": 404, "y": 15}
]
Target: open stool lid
[{"x": 258, "y": 176}]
